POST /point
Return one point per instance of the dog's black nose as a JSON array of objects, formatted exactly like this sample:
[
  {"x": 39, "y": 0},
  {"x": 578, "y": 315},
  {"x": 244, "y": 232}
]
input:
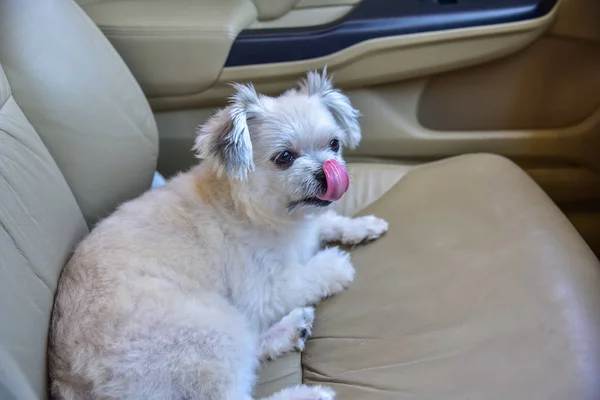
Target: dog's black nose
[{"x": 320, "y": 177}]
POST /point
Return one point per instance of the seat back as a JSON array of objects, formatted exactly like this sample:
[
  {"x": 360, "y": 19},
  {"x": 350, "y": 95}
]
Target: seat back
[{"x": 77, "y": 137}]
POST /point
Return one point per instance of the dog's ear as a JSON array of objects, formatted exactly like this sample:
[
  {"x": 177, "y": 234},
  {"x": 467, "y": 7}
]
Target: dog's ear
[
  {"x": 225, "y": 138},
  {"x": 337, "y": 103}
]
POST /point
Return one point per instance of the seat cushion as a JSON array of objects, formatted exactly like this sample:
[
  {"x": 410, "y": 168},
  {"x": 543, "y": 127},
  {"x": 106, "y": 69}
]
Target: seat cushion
[{"x": 480, "y": 290}]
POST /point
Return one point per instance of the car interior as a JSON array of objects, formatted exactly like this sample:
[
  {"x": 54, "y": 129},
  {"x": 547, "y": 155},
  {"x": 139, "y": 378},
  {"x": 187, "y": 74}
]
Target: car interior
[{"x": 480, "y": 147}]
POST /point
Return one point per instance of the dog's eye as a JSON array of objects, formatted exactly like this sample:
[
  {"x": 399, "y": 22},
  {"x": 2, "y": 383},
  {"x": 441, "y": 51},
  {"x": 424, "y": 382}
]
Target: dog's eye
[
  {"x": 284, "y": 159},
  {"x": 335, "y": 145}
]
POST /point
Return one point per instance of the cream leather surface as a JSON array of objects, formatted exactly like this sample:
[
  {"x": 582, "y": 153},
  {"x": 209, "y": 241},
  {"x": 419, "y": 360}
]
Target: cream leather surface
[
  {"x": 369, "y": 182},
  {"x": 278, "y": 374},
  {"x": 480, "y": 290},
  {"x": 481, "y": 286},
  {"x": 302, "y": 17},
  {"x": 81, "y": 99},
  {"x": 289, "y": 13},
  {"x": 40, "y": 223},
  {"x": 300, "y": 13},
  {"x": 173, "y": 47},
  {"x": 271, "y": 9},
  {"x": 325, "y": 3},
  {"x": 268, "y": 13}
]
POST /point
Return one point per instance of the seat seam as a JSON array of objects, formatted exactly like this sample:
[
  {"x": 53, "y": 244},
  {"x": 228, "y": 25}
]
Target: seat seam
[
  {"x": 6, "y": 100},
  {"x": 22, "y": 253},
  {"x": 37, "y": 156},
  {"x": 277, "y": 378}
]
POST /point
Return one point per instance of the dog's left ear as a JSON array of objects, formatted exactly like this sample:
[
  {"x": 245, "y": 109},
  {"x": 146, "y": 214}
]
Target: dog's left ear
[
  {"x": 336, "y": 102},
  {"x": 225, "y": 138}
]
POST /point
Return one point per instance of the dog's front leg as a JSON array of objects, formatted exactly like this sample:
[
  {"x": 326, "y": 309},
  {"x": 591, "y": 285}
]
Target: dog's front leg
[
  {"x": 350, "y": 231},
  {"x": 327, "y": 272}
]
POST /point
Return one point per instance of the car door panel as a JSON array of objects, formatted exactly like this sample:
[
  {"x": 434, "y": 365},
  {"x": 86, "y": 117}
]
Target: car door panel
[
  {"x": 378, "y": 61},
  {"x": 184, "y": 54}
]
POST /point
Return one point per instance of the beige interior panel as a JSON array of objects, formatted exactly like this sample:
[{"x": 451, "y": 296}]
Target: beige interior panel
[
  {"x": 554, "y": 84},
  {"x": 377, "y": 61},
  {"x": 307, "y": 13},
  {"x": 292, "y": 13},
  {"x": 303, "y": 17},
  {"x": 326, "y": 3},
  {"x": 177, "y": 133},
  {"x": 173, "y": 47},
  {"x": 271, "y": 9}
]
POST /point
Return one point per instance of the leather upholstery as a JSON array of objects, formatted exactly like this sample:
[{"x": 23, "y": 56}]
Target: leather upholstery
[
  {"x": 39, "y": 225},
  {"x": 173, "y": 47},
  {"x": 81, "y": 99},
  {"x": 76, "y": 138},
  {"x": 370, "y": 181},
  {"x": 480, "y": 290},
  {"x": 278, "y": 374}
]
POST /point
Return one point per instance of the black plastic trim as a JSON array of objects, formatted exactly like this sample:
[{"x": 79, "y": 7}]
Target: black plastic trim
[{"x": 375, "y": 19}]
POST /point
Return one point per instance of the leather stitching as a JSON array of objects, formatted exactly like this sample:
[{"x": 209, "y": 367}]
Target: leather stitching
[
  {"x": 13, "y": 137},
  {"x": 23, "y": 254}
]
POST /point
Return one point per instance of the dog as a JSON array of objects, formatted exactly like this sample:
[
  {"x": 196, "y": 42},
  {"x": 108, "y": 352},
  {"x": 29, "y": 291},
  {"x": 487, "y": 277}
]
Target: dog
[{"x": 182, "y": 292}]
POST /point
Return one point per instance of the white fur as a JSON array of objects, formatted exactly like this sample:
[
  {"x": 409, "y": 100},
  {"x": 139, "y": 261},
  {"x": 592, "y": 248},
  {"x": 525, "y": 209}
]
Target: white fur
[
  {"x": 351, "y": 231},
  {"x": 180, "y": 293},
  {"x": 288, "y": 334}
]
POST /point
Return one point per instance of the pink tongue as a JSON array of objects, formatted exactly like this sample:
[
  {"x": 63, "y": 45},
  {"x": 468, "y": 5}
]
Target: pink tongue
[{"x": 337, "y": 180}]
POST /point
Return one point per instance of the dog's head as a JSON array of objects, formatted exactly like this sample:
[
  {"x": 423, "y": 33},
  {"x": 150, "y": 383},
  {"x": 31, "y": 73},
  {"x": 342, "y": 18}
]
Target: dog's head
[{"x": 285, "y": 152}]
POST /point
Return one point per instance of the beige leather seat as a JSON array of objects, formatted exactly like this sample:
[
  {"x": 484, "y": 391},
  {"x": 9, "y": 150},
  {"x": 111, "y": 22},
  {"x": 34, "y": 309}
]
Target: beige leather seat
[{"x": 481, "y": 289}]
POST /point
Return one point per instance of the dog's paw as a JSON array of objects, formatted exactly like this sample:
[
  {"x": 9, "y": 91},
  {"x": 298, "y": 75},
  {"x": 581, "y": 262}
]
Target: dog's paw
[
  {"x": 365, "y": 229},
  {"x": 287, "y": 335},
  {"x": 335, "y": 268},
  {"x": 299, "y": 325},
  {"x": 304, "y": 392}
]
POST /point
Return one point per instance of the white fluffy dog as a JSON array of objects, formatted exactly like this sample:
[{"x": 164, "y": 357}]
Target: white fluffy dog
[{"x": 183, "y": 291}]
